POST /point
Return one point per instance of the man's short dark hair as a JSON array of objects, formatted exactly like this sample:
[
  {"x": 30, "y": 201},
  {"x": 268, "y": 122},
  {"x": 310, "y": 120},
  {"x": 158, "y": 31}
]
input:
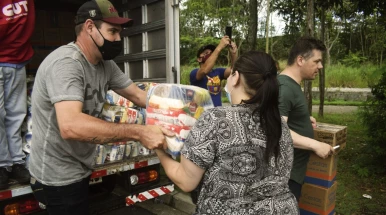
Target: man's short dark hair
[
  {"x": 304, "y": 47},
  {"x": 203, "y": 48},
  {"x": 78, "y": 28}
]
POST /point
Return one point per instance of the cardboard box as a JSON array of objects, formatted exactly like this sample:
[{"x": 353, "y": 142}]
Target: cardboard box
[
  {"x": 317, "y": 200},
  {"x": 321, "y": 171},
  {"x": 331, "y": 134}
]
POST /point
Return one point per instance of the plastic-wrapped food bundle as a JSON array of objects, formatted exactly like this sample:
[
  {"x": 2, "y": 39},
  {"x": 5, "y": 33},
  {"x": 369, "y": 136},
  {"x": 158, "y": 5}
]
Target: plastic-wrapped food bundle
[
  {"x": 119, "y": 114},
  {"x": 27, "y": 139},
  {"x": 110, "y": 152},
  {"x": 177, "y": 108},
  {"x": 115, "y": 99},
  {"x": 115, "y": 152},
  {"x": 146, "y": 86},
  {"x": 100, "y": 154},
  {"x": 118, "y": 109}
]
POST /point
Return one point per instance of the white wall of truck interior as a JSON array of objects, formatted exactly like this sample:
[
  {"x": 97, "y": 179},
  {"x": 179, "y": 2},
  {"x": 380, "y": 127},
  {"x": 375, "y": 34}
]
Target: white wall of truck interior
[{"x": 147, "y": 64}]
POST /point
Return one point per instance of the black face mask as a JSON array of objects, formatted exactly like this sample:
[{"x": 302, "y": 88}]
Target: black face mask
[{"x": 109, "y": 50}]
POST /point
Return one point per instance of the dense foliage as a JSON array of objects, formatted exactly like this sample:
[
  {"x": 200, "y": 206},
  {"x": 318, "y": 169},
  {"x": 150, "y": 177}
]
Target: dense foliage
[
  {"x": 351, "y": 27},
  {"x": 374, "y": 117}
]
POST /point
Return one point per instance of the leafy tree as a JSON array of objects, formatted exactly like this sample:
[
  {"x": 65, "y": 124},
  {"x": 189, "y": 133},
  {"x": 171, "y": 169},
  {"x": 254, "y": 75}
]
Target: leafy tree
[{"x": 293, "y": 13}]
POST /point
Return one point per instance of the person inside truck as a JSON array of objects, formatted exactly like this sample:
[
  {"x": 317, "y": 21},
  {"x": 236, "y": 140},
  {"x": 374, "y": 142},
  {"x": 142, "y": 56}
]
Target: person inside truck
[
  {"x": 17, "y": 21},
  {"x": 68, "y": 95},
  {"x": 243, "y": 152},
  {"x": 208, "y": 77}
]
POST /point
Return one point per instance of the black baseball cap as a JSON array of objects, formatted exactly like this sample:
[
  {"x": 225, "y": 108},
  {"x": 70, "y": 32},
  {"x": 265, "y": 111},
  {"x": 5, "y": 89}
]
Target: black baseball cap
[
  {"x": 203, "y": 48},
  {"x": 100, "y": 10}
]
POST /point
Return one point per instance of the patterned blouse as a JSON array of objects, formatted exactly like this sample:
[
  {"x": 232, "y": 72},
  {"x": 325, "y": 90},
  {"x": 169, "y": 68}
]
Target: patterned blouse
[{"x": 229, "y": 144}]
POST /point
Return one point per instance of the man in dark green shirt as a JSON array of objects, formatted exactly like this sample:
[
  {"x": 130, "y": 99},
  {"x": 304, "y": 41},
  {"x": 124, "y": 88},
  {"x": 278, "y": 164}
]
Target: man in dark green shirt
[{"x": 304, "y": 63}]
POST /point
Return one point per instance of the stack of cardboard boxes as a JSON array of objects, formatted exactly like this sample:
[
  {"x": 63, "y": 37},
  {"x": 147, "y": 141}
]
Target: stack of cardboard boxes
[
  {"x": 52, "y": 29},
  {"x": 319, "y": 188}
]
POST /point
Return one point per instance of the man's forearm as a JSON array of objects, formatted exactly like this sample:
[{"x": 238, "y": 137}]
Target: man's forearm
[
  {"x": 302, "y": 142},
  {"x": 93, "y": 130}
]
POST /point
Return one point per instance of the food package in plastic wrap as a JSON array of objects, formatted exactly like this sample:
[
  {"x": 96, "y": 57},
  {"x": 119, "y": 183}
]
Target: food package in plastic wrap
[
  {"x": 145, "y": 86},
  {"x": 113, "y": 98},
  {"x": 100, "y": 154},
  {"x": 177, "y": 108},
  {"x": 27, "y": 139},
  {"x": 134, "y": 149},
  {"x": 106, "y": 153},
  {"x": 119, "y": 151},
  {"x": 114, "y": 152},
  {"x": 118, "y": 114}
]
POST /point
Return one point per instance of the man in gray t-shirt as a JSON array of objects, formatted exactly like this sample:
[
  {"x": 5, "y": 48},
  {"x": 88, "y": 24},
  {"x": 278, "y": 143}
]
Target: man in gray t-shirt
[{"x": 68, "y": 95}]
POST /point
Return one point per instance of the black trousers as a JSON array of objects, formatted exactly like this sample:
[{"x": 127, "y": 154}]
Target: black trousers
[
  {"x": 295, "y": 188},
  {"x": 70, "y": 199}
]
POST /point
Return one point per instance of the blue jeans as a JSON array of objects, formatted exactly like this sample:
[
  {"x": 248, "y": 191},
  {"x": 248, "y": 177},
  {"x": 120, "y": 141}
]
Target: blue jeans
[
  {"x": 70, "y": 199},
  {"x": 13, "y": 109}
]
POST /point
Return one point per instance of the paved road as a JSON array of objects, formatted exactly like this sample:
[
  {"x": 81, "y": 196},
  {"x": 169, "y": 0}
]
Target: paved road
[{"x": 335, "y": 109}]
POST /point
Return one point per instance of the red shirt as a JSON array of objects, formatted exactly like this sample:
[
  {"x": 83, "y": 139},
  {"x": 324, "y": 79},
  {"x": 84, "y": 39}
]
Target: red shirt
[{"x": 17, "y": 22}]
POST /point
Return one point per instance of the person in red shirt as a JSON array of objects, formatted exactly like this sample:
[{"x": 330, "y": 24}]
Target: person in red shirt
[{"x": 17, "y": 21}]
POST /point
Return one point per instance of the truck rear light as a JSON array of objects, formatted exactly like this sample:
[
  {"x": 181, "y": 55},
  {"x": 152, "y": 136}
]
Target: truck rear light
[
  {"x": 22, "y": 207},
  {"x": 143, "y": 177}
]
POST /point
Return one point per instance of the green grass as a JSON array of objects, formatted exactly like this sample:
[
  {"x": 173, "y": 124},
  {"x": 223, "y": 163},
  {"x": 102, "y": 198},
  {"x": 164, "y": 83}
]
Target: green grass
[
  {"x": 352, "y": 77},
  {"x": 351, "y": 186},
  {"x": 185, "y": 71}
]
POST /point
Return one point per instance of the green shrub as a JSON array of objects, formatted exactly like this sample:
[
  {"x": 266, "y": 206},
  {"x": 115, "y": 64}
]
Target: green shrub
[
  {"x": 185, "y": 74},
  {"x": 353, "y": 59},
  {"x": 374, "y": 118}
]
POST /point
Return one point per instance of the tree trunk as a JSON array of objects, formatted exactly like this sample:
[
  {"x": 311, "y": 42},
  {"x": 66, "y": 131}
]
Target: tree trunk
[
  {"x": 322, "y": 71},
  {"x": 267, "y": 27},
  {"x": 309, "y": 32},
  {"x": 252, "y": 33},
  {"x": 350, "y": 38},
  {"x": 362, "y": 42},
  {"x": 329, "y": 47}
]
